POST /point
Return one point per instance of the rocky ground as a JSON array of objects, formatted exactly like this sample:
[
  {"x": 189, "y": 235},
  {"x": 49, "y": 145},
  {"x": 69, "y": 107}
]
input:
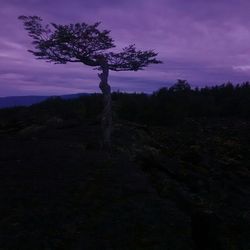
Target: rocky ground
[
  {"x": 155, "y": 190},
  {"x": 203, "y": 167}
]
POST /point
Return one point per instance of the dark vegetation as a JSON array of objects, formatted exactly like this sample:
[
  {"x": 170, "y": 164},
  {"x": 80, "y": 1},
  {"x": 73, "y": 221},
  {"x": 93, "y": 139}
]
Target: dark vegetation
[
  {"x": 177, "y": 177},
  {"x": 170, "y": 105}
]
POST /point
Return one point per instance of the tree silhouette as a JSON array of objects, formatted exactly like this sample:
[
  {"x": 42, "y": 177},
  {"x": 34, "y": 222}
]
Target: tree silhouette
[
  {"x": 181, "y": 85},
  {"x": 87, "y": 44}
]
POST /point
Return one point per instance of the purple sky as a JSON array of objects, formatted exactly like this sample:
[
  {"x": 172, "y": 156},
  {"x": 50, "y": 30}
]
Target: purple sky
[{"x": 204, "y": 42}]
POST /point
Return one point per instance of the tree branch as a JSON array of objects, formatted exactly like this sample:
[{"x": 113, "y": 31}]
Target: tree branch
[
  {"x": 83, "y": 43},
  {"x": 131, "y": 59}
]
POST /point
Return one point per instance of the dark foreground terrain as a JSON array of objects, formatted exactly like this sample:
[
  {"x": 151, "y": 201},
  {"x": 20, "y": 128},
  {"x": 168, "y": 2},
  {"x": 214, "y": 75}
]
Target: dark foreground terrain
[
  {"x": 183, "y": 186},
  {"x": 59, "y": 191}
]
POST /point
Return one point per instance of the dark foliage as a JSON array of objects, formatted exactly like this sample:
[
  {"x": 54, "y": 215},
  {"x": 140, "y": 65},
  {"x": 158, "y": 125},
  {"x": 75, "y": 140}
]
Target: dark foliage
[
  {"x": 174, "y": 104},
  {"x": 83, "y": 43},
  {"x": 164, "y": 107}
]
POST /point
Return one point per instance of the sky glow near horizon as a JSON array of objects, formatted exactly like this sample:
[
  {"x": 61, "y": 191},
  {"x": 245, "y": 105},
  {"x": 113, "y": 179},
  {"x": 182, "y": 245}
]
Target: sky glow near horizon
[{"x": 204, "y": 42}]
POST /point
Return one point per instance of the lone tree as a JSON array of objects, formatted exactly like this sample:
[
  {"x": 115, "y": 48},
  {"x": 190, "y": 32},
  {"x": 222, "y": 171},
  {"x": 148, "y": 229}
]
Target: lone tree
[{"x": 87, "y": 44}]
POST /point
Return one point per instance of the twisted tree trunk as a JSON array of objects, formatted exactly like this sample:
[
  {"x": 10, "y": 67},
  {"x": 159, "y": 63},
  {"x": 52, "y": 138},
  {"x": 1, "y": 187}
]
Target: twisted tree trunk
[{"x": 106, "y": 115}]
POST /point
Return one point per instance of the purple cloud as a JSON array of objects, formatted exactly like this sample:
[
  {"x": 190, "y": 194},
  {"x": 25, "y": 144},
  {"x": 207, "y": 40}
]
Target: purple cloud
[{"x": 204, "y": 42}]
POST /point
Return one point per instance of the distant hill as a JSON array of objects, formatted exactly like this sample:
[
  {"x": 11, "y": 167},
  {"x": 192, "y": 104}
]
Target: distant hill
[{"x": 14, "y": 101}]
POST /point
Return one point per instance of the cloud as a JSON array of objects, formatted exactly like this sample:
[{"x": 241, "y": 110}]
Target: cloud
[
  {"x": 243, "y": 68},
  {"x": 205, "y": 42}
]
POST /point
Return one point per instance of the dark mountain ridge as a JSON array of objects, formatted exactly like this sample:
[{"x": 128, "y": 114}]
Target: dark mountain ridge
[{"x": 15, "y": 101}]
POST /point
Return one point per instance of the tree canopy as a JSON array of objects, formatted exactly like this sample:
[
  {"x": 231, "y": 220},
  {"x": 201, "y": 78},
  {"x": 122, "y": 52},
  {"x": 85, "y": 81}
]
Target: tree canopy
[{"x": 83, "y": 43}]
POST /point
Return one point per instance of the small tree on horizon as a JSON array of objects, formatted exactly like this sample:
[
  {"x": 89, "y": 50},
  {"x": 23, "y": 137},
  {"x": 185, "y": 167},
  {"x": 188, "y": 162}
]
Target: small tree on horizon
[
  {"x": 87, "y": 44},
  {"x": 181, "y": 85}
]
